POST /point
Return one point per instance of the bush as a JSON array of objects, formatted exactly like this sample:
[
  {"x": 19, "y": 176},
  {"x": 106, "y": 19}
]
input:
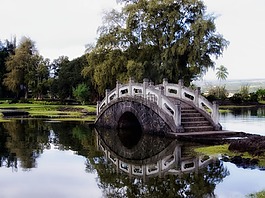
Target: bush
[
  {"x": 81, "y": 93},
  {"x": 218, "y": 92},
  {"x": 237, "y": 98}
]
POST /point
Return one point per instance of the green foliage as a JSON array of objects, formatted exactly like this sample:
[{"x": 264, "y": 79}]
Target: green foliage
[
  {"x": 239, "y": 98},
  {"x": 260, "y": 94},
  {"x": 6, "y": 49},
  {"x": 154, "y": 39},
  {"x": 217, "y": 92},
  {"x": 260, "y": 194},
  {"x": 244, "y": 96},
  {"x": 38, "y": 77},
  {"x": 26, "y": 70},
  {"x": 214, "y": 150},
  {"x": 66, "y": 75},
  {"x": 81, "y": 93},
  {"x": 244, "y": 91},
  {"x": 221, "y": 73},
  {"x": 135, "y": 70},
  {"x": 105, "y": 67}
]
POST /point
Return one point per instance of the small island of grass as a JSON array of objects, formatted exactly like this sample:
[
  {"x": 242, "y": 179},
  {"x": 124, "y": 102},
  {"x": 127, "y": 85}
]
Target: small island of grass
[{"x": 50, "y": 111}]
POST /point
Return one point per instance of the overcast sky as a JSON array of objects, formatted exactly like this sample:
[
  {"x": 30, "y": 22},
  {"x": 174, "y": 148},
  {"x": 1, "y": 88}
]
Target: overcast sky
[{"x": 64, "y": 27}]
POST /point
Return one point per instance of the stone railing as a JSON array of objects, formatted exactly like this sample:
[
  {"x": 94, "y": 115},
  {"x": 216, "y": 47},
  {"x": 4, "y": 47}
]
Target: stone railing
[
  {"x": 179, "y": 91},
  {"x": 159, "y": 94},
  {"x": 144, "y": 90}
]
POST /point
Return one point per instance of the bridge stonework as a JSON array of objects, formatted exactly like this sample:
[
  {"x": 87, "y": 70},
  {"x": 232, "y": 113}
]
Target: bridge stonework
[
  {"x": 150, "y": 118},
  {"x": 165, "y": 108}
]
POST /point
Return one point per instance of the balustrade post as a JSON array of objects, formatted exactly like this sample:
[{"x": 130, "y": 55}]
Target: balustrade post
[
  {"x": 145, "y": 85},
  {"x": 130, "y": 170},
  {"x": 107, "y": 96},
  {"x": 160, "y": 168},
  {"x": 160, "y": 97},
  {"x": 117, "y": 89},
  {"x": 197, "y": 96},
  {"x": 215, "y": 113},
  {"x": 98, "y": 110},
  {"x": 180, "y": 86},
  {"x": 177, "y": 115},
  {"x": 130, "y": 86},
  {"x": 177, "y": 154},
  {"x": 165, "y": 83}
]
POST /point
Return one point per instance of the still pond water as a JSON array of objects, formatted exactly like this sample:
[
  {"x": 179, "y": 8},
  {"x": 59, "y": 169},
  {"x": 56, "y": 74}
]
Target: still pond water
[{"x": 42, "y": 159}]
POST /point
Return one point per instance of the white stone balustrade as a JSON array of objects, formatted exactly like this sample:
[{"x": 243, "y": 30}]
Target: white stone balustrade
[
  {"x": 180, "y": 92},
  {"x": 159, "y": 94}
]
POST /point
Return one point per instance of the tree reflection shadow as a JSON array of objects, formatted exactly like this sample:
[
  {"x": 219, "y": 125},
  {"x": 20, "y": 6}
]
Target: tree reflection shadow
[
  {"x": 161, "y": 171},
  {"x": 150, "y": 167},
  {"x": 23, "y": 141}
]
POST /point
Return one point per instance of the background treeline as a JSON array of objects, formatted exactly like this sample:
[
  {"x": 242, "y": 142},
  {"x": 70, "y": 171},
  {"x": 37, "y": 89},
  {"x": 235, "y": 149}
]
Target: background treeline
[
  {"x": 25, "y": 74},
  {"x": 241, "y": 96},
  {"x": 144, "y": 39}
]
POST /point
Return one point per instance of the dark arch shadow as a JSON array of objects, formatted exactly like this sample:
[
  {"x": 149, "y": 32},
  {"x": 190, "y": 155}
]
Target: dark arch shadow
[
  {"x": 129, "y": 130},
  {"x": 128, "y": 120}
]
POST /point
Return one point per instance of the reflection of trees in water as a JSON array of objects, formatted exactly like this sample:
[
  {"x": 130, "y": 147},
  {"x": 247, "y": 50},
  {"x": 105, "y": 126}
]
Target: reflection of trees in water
[
  {"x": 114, "y": 182},
  {"x": 6, "y": 159},
  {"x": 25, "y": 142},
  {"x": 246, "y": 112},
  {"x": 76, "y": 136}
]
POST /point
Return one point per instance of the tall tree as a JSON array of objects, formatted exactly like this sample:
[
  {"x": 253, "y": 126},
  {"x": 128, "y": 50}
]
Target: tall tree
[
  {"x": 6, "y": 49},
  {"x": 164, "y": 38},
  {"x": 221, "y": 74},
  {"x": 67, "y": 74},
  {"x": 38, "y": 76},
  {"x": 20, "y": 66}
]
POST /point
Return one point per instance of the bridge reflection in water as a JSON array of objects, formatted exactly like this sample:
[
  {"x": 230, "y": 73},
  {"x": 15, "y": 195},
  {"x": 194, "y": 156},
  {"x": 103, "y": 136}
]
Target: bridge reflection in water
[{"x": 146, "y": 155}]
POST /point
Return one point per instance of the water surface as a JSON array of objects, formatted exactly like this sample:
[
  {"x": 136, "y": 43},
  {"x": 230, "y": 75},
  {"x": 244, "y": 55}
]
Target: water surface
[{"x": 69, "y": 159}]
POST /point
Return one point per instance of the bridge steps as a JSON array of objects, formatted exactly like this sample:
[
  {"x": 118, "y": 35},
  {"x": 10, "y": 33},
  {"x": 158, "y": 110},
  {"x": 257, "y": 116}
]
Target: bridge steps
[
  {"x": 197, "y": 123},
  {"x": 194, "y": 121},
  {"x": 191, "y": 119}
]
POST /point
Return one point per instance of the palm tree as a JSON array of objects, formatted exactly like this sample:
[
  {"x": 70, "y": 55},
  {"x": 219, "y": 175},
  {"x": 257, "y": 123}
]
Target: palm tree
[{"x": 221, "y": 73}]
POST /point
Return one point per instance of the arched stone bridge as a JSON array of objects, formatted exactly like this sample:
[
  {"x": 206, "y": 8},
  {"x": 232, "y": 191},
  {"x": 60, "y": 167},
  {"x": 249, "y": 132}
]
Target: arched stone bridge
[{"x": 165, "y": 108}]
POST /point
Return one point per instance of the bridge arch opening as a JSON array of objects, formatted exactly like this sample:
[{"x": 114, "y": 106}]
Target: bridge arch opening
[
  {"x": 129, "y": 130},
  {"x": 128, "y": 120}
]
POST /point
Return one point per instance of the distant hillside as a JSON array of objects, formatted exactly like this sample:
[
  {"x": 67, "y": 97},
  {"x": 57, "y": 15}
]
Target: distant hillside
[{"x": 232, "y": 86}]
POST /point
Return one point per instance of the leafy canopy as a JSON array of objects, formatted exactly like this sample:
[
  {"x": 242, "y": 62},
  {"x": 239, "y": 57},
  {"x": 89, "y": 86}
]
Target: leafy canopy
[
  {"x": 81, "y": 92},
  {"x": 26, "y": 69},
  {"x": 155, "y": 39},
  {"x": 222, "y": 73}
]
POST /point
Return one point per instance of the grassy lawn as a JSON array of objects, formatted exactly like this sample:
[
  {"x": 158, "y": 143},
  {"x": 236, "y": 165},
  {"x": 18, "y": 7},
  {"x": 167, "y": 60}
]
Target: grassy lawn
[
  {"x": 55, "y": 112},
  {"x": 224, "y": 151}
]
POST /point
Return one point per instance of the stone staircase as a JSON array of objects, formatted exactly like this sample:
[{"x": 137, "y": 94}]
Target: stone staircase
[
  {"x": 194, "y": 121},
  {"x": 191, "y": 119}
]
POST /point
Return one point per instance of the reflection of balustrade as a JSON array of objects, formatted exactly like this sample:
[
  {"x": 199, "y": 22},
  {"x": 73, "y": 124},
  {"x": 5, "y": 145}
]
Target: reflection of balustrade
[
  {"x": 170, "y": 164},
  {"x": 164, "y": 166},
  {"x": 159, "y": 95}
]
